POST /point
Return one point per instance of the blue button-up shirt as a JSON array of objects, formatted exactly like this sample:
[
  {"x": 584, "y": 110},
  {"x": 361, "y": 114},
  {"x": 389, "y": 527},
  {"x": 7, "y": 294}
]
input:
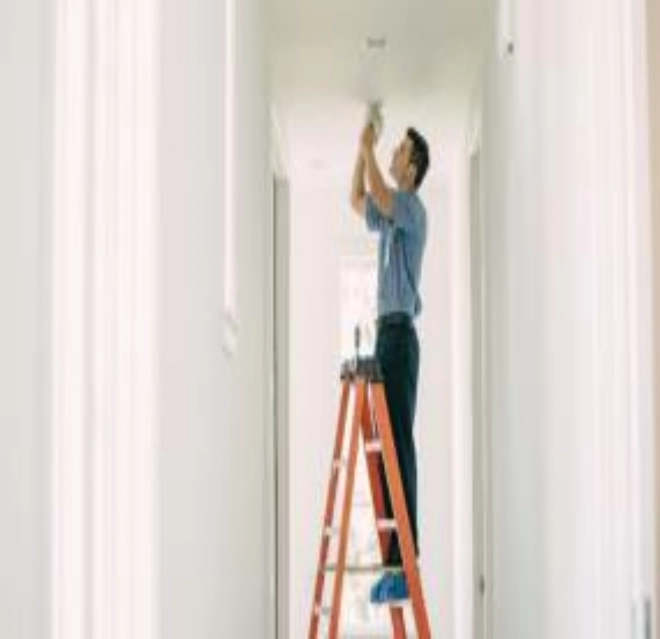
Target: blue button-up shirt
[{"x": 400, "y": 250}]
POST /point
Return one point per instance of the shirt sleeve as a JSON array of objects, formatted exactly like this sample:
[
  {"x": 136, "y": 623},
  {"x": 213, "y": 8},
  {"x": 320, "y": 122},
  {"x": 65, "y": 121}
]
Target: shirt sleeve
[
  {"x": 375, "y": 219},
  {"x": 405, "y": 215}
]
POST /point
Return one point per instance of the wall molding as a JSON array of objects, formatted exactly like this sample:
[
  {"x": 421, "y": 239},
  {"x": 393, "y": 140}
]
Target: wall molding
[
  {"x": 230, "y": 311},
  {"x": 104, "y": 321},
  {"x": 638, "y": 254}
]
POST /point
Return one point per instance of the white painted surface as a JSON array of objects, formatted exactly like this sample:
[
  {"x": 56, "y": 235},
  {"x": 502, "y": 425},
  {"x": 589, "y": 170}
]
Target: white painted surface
[
  {"x": 26, "y": 41},
  {"x": 313, "y": 391},
  {"x": 653, "y": 29},
  {"x": 555, "y": 179},
  {"x": 103, "y": 311},
  {"x": 323, "y": 73},
  {"x": 568, "y": 389},
  {"x": 214, "y": 409}
]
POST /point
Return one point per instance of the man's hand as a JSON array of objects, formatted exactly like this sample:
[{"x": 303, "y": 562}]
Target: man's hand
[
  {"x": 382, "y": 195},
  {"x": 366, "y": 163},
  {"x": 358, "y": 187},
  {"x": 368, "y": 138}
]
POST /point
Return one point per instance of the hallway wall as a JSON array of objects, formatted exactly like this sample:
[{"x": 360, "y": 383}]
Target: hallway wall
[
  {"x": 314, "y": 384},
  {"x": 564, "y": 343},
  {"x": 213, "y": 407},
  {"x": 26, "y": 76}
]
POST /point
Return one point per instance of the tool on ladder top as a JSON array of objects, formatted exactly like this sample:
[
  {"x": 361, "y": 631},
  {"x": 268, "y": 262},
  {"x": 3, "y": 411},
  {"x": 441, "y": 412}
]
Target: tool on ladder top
[{"x": 361, "y": 377}]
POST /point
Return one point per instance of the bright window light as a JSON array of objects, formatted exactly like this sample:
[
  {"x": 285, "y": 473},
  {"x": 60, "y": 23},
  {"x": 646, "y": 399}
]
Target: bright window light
[{"x": 358, "y": 278}]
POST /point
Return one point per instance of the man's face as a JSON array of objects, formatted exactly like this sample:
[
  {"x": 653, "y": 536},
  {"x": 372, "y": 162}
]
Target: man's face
[{"x": 401, "y": 168}]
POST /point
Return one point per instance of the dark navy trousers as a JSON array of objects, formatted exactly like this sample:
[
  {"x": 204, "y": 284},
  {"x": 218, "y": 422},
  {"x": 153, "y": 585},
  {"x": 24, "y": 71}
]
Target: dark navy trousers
[{"x": 397, "y": 352}]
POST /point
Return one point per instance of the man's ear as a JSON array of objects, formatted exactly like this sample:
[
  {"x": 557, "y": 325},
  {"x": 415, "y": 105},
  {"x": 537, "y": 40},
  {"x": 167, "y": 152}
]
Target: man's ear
[{"x": 412, "y": 173}]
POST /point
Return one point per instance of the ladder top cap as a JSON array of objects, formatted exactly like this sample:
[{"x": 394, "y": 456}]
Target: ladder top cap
[{"x": 366, "y": 368}]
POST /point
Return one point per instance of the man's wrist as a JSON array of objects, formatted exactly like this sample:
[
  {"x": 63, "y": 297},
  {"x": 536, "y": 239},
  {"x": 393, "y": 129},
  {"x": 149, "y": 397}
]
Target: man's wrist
[{"x": 368, "y": 153}]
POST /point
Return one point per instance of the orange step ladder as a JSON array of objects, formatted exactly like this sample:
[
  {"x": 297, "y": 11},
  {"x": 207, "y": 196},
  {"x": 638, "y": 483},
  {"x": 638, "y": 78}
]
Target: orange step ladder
[{"x": 361, "y": 378}]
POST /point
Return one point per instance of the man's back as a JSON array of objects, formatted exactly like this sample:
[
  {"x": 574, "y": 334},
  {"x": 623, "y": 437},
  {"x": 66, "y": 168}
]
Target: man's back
[{"x": 400, "y": 252}]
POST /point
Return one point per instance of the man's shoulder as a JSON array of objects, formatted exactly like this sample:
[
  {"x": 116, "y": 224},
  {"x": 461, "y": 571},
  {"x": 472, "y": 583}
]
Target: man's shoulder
[
  {"x": 414, "y": 204},
  {"x": 409, "y": 213},
  {"x": 410, "y": 199}
]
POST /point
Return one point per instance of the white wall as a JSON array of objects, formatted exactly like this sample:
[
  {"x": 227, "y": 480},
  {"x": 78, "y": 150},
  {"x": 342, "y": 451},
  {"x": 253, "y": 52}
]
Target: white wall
[
  {"x": 323, "y": 227},
  {"x": 26, "y": 38},
  {"x": 561, "y": 312},
  {"x": 456, "y": 299},
  {"x": 653, "y": 29},
  {"x": 213, "y": 409},
  {"x": 439, "y": 417},
  {"x": 314, "y": 382}
]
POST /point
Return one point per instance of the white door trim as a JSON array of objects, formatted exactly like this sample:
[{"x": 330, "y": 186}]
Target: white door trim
[
  {"x": 482, "y": 444},
  {"x": 278, "y": 384},
  {"x": 104, "y": 381},
  {"x": 639, "y": 270}
]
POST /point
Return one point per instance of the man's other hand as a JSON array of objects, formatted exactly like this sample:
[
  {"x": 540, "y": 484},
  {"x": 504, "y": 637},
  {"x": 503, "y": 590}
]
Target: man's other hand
[{"x": 368, "y": 138}]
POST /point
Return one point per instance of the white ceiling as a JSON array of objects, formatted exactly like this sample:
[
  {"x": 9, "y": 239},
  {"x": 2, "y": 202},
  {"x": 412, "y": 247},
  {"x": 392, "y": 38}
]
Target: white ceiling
[{"x": 322, "y": 74}]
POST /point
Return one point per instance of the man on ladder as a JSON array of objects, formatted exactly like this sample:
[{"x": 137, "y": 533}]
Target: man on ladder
[{"x": 399, "y": 217}]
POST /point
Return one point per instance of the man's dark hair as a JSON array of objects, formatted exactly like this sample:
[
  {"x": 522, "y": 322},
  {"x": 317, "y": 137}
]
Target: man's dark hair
[{"x": 419, "y": 156}]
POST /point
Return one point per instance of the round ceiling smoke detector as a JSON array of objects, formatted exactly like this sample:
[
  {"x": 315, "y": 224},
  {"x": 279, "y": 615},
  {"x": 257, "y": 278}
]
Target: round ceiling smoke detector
[{"x": 375, "y": 43}]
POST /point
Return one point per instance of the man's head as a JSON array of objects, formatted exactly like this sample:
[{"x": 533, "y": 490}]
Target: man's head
[{"x": 410, "y": 161}]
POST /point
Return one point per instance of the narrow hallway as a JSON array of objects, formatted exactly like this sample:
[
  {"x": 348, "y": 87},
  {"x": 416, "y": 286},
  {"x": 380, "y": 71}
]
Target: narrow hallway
[{"x": 181, "y": 274}]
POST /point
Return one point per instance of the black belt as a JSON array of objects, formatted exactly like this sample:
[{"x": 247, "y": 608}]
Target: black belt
[{"x": 394, "y": 319}]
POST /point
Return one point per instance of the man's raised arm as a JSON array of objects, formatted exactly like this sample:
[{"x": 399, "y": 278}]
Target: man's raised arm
[
  {"x": 358, "y": 189},
  {"x": 383, "y": 196}
]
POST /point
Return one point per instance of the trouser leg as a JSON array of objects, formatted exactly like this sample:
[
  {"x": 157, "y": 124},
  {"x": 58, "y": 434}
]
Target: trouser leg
[{"x": 398, "y": 355}]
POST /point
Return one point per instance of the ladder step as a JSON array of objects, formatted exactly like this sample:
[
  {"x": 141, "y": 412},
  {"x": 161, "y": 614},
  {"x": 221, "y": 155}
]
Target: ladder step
[
  {"x": 339, "y": 464},
  {"x": 322, "y": 611},
  {"x": 359, "y": 569},
  {"x": 373, "y": 446},
  {"x": 384, "y": 525}
]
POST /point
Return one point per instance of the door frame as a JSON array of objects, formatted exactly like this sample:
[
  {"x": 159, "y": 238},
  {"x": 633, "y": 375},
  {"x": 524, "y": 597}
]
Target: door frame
[
  {"x": 482, "y": 573},
  {"x": 277, "y": 368},
  {"x": 639, "y": 284}
]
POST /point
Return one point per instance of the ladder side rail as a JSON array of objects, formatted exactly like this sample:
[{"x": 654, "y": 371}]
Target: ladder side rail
[
  {"x": 400, "y": 512},
  {"x": 360, "y": 398},
  {"x": 378, "y": 501},
  {"x": 329, "y": 508}
]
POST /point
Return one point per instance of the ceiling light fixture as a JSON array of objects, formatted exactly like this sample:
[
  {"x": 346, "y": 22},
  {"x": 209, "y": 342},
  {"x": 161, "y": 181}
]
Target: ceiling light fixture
[{"x": 376, "y": 43}]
